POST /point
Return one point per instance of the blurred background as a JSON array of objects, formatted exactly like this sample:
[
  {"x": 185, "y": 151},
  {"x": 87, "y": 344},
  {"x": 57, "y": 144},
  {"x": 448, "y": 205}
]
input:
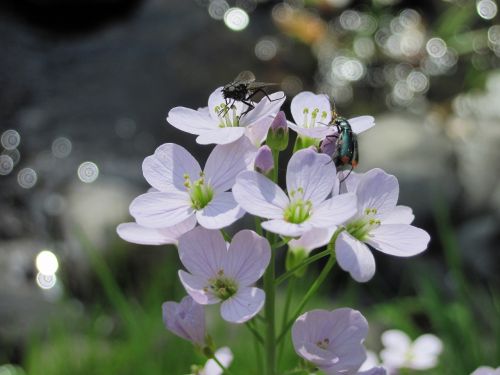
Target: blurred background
[{"x": 85, "y": 87}]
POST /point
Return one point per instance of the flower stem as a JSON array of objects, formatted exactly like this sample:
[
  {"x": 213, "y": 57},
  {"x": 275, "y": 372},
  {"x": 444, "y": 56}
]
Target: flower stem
[
  {"x": 270, "y": 338},
  {"x": 315, "y": 286},
  {"x": 304, "y": 263},
  {"x": 255, "y": 333},
  {"x": 286, "y": 310}
]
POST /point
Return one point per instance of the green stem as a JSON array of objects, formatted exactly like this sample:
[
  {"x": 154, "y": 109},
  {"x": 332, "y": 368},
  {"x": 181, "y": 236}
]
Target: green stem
[
  {"x": 315, "y": 286},
  {"x": 276, "y": 155},
  {"x": 304, "y": 263},
  {"x": 286, "y": 310},
  {"x": 270, "y": 344},
  {"x": 281, "y": 243},
  {"x": 226, "y": 235},
  {"x": 255, "y": 333}
]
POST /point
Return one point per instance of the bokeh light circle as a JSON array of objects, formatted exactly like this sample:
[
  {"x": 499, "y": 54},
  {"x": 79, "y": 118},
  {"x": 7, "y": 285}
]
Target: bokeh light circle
[
  {"x": 6, "y": 165},
  {"x": 236, "y": 19},
  {"x": 266, "y": 49},
  {"x": 27, "y": 178},
  {"x": 487, "y": 9},
  {"x": 88, "y": 172},
  {"x": 61, "y": 147},
  {"x": 46, "y": 281},
  {"x": 46, "y": 262},
  {"x": 417, "y": 81},
  {"x": 10, "y": 139},
  {"x": 217, "y": 9},
  {"x": 436, "y": 47}
]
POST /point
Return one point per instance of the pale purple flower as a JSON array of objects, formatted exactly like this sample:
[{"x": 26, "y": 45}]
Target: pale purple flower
[
  {"x": 135, "y": 233},
  {"x": 486, "y": 370},
  {"x": 185, "y": 191},
  {"x": 218, "y": 273},
  {"x": 371, "y": 366},
  {"x": 310, "y": 178},
  {"x": 224, "y": 355},
  {"x": 220, "y": 125},
  {"x": 185, "y": 319},
  {"x": 331, "y": 340},
  {"x": 312, "y": 113},
  {"x": 400, "y": 352},
  {"x": 312, "y": 239},
  {"x": 264, "y": 162},
  {"x": 379, "y": 223}
]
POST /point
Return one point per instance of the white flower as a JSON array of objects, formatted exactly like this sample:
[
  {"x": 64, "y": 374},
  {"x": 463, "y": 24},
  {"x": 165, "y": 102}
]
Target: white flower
[
  {"x": 183, "y": 190},
  {"x": 218, "y": 273},
  {"x": 310, "y": 178},
  {"x": 485, "y": 370},
  {"x": 220, "y": 125},
  {"x": 400, "y": 352},
  {"x": 379, "y": 223},
  {"x": 224, "y": 355},
  {"x": 312, "y": 113},
  {"x": 186, "y": 319},
  {"x": 135, "y": 233}
]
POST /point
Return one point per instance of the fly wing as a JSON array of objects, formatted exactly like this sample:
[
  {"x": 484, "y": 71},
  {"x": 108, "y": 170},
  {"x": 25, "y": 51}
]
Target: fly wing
[
  {"x": 245, "y": 77},
  {"x": 259, "y": 85}
]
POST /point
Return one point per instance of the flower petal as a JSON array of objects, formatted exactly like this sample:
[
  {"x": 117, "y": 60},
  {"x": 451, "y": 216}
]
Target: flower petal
[
  {"x": 399, "y": 215},
  {"x": 227, "y": 161},
  {"x": 426, "y": 350},
  {"x": 378, "y": 190},
  {"x": 259, "y": 196},
  {"x": 311, "y": 101},
  {"x": 135, "y": 233},
  {"x": 243, "y": 306},
  {"x": 318, "y": 132},
  {"x": 166, "y": 168},
  {"x": 202, "y": 252},
  {"x": 350, "y": 181},
  {"x": 313, "y": 239},
  {"x": 221, "y": 212},
  {"x": 186, "y": 319},
  {"x": 247, "y": 257},
  {"x": 264, "y": 108},
  {"x": 224, "y": 356},
  {"x": 374, "y": 371},
  {"x": 400, "y": 240},
  {"x": 285, "y": 228},
  {"x": 190, "y": 121},
  {"x": 334, "y": 211},
  {"x": 220, "y": 136},
  {"x": 354, "y": 257},
  {"x": 160, "y": 210},
  {"x": 196, "y": 286},
  {"x": 311, "y": 172},
  {"x": 397, "y": 345},
  {"x": 257, "y": 132},
  {"x": 361, "y": 123}
]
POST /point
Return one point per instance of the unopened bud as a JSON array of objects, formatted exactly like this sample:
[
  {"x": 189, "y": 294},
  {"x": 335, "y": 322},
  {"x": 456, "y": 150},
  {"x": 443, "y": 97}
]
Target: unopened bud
[
  {"x": 328, "y": 145},
  {"x": 264, "y": 162},
  {"x": 294, "y": 257},
  {"x": 277, "y": 136}
]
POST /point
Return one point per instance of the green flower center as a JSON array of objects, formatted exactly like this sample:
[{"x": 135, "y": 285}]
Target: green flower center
[
  {"x": 199, "y": 191},
  {"x": 222, "y": 286},
  {"x": 361, "y": 227},
  {"x": 227, "y": 116},
  {"x": 310, "y": 118},
  {"x": 299, "y": 210}
]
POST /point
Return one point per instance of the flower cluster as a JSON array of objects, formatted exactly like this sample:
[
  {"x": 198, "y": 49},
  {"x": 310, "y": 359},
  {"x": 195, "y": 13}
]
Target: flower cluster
[{"x": 190, "y": 207}]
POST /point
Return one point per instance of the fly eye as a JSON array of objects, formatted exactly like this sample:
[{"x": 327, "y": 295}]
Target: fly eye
[{"x": 231, "y": 88}]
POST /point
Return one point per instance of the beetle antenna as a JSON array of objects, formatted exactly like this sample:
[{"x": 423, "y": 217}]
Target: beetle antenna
[{"x": 334, "y": 110}]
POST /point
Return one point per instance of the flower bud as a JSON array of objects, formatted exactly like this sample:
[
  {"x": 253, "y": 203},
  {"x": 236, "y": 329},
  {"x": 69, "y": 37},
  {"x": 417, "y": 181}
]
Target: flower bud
[
  {"x": 277, "y": 136},
  {"x": 185, "y": 319},
  {"x": 294, "y": 257},
  {"x": 264, "y": 162},
  {"x": 328, "y": 145}
]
